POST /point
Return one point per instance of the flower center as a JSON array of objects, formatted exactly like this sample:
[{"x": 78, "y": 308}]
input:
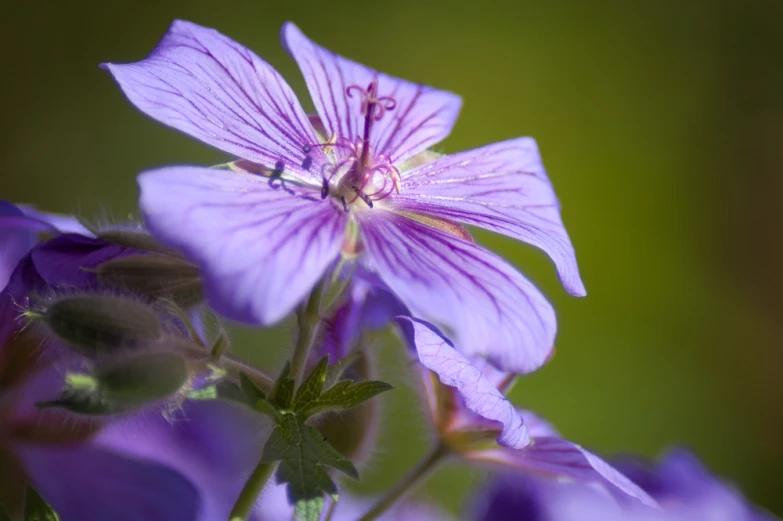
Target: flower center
[{"x": 356, "y": 173}]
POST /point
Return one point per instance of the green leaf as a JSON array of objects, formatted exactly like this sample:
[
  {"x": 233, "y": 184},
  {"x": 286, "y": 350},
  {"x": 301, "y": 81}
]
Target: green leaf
[
  {"x": 336, "y": 370},
  {"x": 255, "y": 397},
  {"x": 304, "y": 455},
  {"x": 310, "y": 390},
  {"x": 345, "y": 395},
  {"x": 250, "y": 389},
  {"x": 309, "y": 509},
  {"x": 282, "y": 394},
  {"x": 36, "y": 509}
]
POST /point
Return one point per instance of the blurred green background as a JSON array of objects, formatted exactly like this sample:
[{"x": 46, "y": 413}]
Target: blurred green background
[{"x": 660, "y": 123}]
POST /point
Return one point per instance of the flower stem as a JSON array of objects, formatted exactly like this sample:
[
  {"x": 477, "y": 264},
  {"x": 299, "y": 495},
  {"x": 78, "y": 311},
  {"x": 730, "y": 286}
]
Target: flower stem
[
  {"x": 235, "y": 366},
  {"x": 253, "y": 487},
  {"x": 409, "y": 482},
  {"x": 309, "y": 319}
]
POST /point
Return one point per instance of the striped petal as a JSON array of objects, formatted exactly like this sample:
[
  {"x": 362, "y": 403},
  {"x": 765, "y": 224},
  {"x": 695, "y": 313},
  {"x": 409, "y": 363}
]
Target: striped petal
[
  {"x": 478, "y": 393},
  {"x": 423, "y": 116},
  {"x": 555, "y": 457},
  {"x": 209, "y": 86},
  {"x": 482, "y": 303},
  {"x": 502, "y": 188},
  {"x": 261, "y": 247}
]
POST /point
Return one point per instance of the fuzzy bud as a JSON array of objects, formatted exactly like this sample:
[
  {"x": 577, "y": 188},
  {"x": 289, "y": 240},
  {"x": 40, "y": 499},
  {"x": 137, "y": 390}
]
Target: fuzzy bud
[
  {"x": 155, "y": 276},
  {"x": 141, "y": 377},
  {"x": 94, "y": 324}
]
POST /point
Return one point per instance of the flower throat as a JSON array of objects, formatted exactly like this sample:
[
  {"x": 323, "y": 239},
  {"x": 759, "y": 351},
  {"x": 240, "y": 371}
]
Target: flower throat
[{"x": 356, "y": 173}]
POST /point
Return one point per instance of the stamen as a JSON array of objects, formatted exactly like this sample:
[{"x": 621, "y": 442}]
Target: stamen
[
  {"x": 324, "y": 188},
  {"x": 372, "y": 108},
  {"x": 363, "y": 196},
  {"x": 307, "y": 163},
  {"x": 277, "y": 175},
  {"x": 345, "y": 205}
]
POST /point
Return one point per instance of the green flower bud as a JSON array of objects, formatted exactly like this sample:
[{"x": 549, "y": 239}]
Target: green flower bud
[
  {"x": 94, "y": 324},
  {"x": 155, "y": 276},
  {"x": 141, "y": 377}
]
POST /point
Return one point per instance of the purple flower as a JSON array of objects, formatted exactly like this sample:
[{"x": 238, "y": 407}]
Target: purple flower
[
  {"x": 687, "y": 490},
  {"x": 53, "y": 452},
  {"x": 469, "y": 411},
  {"x": 355, "y": 180},
  {"x": 190, "y": 465},
  {"x": 684, "y": 489},
  {"x": 19, "y": 230}
]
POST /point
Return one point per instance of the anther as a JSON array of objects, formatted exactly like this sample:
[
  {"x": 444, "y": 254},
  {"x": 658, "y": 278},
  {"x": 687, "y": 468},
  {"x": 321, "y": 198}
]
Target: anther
[
  {"x": 364, "y": 197},
  {"x": 307, "y": 163},
  {"x": 345, "y": 205},
  {"x": 324, "y": 188},
  {"x": 277, "y": 174}
]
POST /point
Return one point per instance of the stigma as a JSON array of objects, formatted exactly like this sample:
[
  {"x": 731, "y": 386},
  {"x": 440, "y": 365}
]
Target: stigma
[{"x": 355, "y": 173}]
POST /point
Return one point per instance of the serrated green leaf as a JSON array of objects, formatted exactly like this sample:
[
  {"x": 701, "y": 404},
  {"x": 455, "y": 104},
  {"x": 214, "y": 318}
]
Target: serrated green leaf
[
  {"x": 336, "y": 370},
  {"x": 282, "y": 394},
  {"x": 310, "y": 390},
  {"x": 345, "y": 395},
  {"x": 36, "y": 509},
  {"x": 304, "y": 455},
  {"x": 250, "y": 389},
  {"x": 309, "y": 509}
]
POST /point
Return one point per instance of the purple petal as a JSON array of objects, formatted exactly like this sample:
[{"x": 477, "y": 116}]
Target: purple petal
[
  {"x": 478, "y": 393},
  {"x": 368, "y": 307},
  {"x": 423, "y": 116},
  {"x": 90, "y": 484},
  {"x": 68, "y": 260},
  {"x": 555, "y": 457},
  {"x": 209, "y": 86},
  {"x": 17, "y": 237},
  {"x": 62, "y": 223},
  {"x": 515, "y": 497},
  {"x": 211, "y": 443},
  {"x": 483, "y": 304},
  {"x": 688, "y": 490},
  {"x": 501, "y": 187},
  {"x": 261, "y": 249}
]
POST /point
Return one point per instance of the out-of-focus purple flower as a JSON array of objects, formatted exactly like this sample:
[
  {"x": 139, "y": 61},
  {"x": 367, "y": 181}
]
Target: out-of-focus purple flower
[
  {"x": 189, "y": 465},
  {"x": 212, "y": 443},
  {"x": 53, "y": 453},
  {"x": 355, "y": 180},
  {"x": 687, "y": 490},
  {"x": 273, "y": 505},
  {"x": 684, "y": 489},
  {"x": 20, "y": 227},
  {"x": 469, "y": 411}
]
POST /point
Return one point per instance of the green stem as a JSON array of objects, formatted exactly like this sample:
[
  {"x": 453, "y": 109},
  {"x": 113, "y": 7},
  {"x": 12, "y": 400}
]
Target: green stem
[
  {"x": 253, "y": 487},
  {"x": 409, "y": 482},
  {"x": 330, "y": 512},
  {"x": 309, "y": 318},
  {"x": 235, "y": 366}
]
